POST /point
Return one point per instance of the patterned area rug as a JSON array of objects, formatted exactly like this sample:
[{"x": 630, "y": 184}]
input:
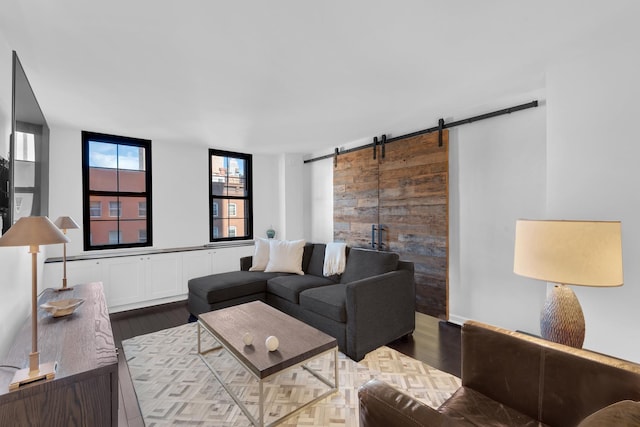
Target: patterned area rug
[{"x": 175, "y": 387}]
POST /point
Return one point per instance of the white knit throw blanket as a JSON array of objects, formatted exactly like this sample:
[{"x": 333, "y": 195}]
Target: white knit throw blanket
[{"x": 334, "y": 258}]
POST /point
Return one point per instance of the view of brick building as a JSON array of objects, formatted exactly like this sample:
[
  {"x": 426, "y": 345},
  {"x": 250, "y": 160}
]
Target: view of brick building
[
  {"x": 229, "y": 182},
  {"x": 117, "y": 219}
]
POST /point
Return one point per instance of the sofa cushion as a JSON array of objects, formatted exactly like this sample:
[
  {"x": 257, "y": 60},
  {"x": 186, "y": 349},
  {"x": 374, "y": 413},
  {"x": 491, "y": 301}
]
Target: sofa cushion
[
  {"x": 234, "y": 284},
  {"x": 479, "y": 410},
  {"x": 285, "y": 256},
  {"x": 327, "y": 301},
  {"x": 363, "y": 263},
  {"x": 289, "y": 287},
  {"x": 260, "y": 256},
  {"x": 625, "y": 413},
  {"x": 316, "y": 263}
]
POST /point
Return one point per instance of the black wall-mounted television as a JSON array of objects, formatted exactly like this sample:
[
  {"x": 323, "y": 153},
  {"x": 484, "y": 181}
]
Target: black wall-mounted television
[{"x": 28, "y": 165}]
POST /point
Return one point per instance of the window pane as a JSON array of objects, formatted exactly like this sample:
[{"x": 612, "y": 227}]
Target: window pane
[
  {"x": 236, "y": 182},
  {"x": 103, "y": 155},
  {"x": 103, "y": 179},
  {"x": 130, "y": 207},
  {"x": 228, "y": 176},
  {"x": 130, "y": 230},
  {"x": 131, "y": 157},
  {"x": 142, "y": 208},
  {"x": 100, "y": 232},
  {"x": 219, "y": 228},
  {"x": 132, "y": 181}
]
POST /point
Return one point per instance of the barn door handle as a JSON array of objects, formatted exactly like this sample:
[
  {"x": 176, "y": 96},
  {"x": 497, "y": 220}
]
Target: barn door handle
[
  {"x": 380, "y": 231},
  {"x": 373, "y": 235}
]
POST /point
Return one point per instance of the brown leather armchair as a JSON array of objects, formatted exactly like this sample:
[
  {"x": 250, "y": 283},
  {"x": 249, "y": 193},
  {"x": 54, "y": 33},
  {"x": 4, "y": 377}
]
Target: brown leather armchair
[{"x": 513, "y": 379}]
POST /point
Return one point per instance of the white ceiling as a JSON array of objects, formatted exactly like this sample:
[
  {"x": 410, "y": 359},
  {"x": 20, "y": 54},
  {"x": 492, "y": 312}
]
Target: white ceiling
[{"x": 288, "y": 75}]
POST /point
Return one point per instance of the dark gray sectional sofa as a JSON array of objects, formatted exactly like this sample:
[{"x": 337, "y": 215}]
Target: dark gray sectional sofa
[{"x": 371, "y": 304}]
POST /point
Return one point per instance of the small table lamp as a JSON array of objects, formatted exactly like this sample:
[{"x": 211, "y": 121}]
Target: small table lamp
[
  {"x": 33, "y": 231},
  {"x": 585, "y": 253},
  {"x": 65, "y": 223}
]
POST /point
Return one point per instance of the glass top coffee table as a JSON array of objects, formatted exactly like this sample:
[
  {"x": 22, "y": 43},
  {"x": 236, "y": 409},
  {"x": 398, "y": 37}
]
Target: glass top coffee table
[{"x": 299, "y": 344}]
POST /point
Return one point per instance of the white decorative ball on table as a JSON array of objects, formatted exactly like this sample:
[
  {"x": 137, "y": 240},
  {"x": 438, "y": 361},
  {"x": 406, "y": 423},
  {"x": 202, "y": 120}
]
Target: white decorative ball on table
[
  {"x": 272, "y": 343},
  {"x": 247, "y": 338}
]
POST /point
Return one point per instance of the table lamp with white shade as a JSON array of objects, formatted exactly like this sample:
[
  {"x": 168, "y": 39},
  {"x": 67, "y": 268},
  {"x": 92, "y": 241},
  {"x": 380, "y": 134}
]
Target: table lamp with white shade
[
  {"x": 65, "y": 223},
  {"x": 33, "y": 231},
  {"x": 584, "y": 253}
]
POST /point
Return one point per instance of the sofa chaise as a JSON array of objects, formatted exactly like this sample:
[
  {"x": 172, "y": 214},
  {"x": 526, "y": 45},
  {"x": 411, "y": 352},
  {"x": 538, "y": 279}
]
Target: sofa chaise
[
  {"x": 370, "y": 304},
  {"x": 513, "y": 379}
]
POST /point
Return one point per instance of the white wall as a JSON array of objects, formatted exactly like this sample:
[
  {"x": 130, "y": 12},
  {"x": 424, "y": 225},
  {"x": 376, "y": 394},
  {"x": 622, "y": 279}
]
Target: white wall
[
  {"x": 593, "y": 173},
  {"x": 180, "y": 190},
  {"x": 497, "y": 175}
]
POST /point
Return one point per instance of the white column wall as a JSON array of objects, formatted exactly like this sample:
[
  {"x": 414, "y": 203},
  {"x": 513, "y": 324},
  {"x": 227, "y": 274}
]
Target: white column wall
[
  {"x": 292, "y": 200},
  {"x": 318, "y": 201}
]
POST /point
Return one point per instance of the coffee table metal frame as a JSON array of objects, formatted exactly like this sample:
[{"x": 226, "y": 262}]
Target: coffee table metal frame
[{"x": 260, "y": 421}]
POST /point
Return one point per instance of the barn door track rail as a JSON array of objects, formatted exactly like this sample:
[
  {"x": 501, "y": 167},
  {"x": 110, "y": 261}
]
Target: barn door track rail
[{"x": 441, "y": 126}]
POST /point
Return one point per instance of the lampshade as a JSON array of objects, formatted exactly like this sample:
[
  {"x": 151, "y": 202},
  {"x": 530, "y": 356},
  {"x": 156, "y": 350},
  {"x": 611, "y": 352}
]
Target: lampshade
[
  {"x": 66, "y": 223},
  {"x": 33, "y": 230},
  {"x": 586, "y": 253}
]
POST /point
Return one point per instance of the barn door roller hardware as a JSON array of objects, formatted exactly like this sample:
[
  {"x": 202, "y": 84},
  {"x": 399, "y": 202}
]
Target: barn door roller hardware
[
  {"x": 375, "y": 148},
  {"x": 375, "y": 144},
  {"x": 441, "y": 126}
]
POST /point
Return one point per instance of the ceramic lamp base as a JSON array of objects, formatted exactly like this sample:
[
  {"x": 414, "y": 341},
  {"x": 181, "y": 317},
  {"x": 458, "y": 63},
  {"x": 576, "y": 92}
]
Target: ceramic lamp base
[{"x": 561, "y": 319}]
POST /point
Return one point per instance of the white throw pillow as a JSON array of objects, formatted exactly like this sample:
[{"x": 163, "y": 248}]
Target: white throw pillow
[
  {"x": 260, "y": 256},
  {"x": 285, "y": 256}
]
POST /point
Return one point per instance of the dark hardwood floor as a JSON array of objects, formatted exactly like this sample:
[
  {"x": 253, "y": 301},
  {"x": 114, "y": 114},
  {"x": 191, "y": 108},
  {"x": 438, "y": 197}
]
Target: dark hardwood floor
[{"x": 434, "y": 342}]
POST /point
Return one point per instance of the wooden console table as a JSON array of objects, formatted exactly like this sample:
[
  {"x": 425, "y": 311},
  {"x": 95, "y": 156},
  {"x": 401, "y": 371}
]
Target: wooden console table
[{"x": 84, "y": 391}]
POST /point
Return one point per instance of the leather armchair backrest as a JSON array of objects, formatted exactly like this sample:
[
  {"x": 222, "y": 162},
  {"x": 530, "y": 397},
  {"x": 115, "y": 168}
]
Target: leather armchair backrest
[
  {"x": 577, "y": 383},
  {"x": 553, "y": 383},
  {"x": 502, "y": 365}
]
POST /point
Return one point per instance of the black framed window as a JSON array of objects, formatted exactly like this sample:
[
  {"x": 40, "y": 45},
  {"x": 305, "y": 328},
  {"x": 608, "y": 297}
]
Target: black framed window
[
  {"x": 116, "y": 174},
  {"x": 230, "y": 196}
]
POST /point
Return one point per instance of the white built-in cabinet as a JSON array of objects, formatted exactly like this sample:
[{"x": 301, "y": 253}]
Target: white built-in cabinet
[{"x": 135, "y": 281}]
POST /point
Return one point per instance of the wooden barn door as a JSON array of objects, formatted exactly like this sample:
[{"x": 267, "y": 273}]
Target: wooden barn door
[
  {"x": 355, "y": 198},
  {"x": 405, "y": 194}
]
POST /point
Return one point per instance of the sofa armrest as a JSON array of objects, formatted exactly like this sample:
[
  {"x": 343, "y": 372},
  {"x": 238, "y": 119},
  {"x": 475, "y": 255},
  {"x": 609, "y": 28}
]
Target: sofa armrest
[
  {"x": 381, "y": 405},
  {"x": 246, "y": 262},
  {"x": 379, "y": 310}
]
